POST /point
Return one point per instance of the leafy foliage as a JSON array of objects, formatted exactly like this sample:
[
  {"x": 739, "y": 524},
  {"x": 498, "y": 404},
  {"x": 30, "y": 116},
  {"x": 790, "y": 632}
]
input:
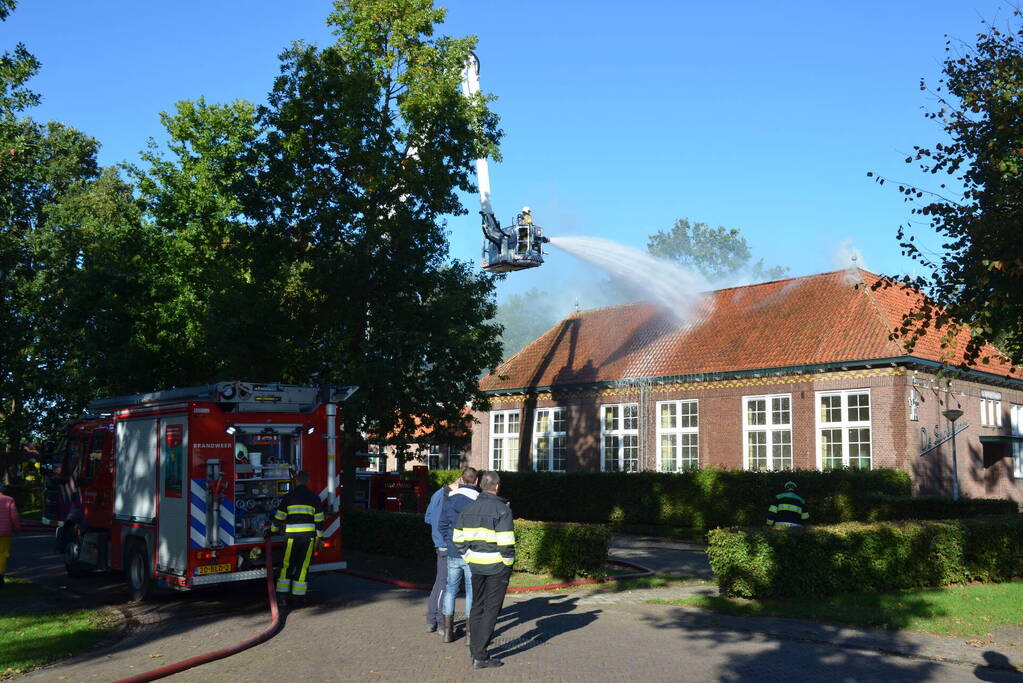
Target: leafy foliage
[
  {"x": 718, "y": 253},
  {"x": 846, "y": 558},
  {"x": 973, "y": 289}
]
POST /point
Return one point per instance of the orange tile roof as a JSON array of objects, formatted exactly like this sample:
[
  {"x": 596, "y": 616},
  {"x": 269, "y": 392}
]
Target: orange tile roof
[{"x": 826, "y": 318}]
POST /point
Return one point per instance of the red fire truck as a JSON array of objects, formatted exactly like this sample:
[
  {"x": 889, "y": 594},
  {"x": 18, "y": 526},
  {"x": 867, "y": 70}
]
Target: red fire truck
[{"x": 175, "y": 487}]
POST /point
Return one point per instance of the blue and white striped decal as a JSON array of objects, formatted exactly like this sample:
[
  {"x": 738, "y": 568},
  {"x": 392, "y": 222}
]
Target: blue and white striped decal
[
  {"x": 199, "y": 502},
  {"x": 197, "y": 509}
]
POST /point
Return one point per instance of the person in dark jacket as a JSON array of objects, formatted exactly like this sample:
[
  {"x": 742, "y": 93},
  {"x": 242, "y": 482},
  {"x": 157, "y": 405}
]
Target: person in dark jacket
[
  {"x": 301, "y": 516},
  {"x": 434, "y": 618},
  {"x": 485, "y": 538},
  {"x": 788, "y": 508},
  {"x": 456, "y": 501}
]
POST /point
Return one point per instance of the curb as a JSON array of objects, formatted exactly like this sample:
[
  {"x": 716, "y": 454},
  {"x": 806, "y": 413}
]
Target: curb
[{"x": 640, "y": 572}]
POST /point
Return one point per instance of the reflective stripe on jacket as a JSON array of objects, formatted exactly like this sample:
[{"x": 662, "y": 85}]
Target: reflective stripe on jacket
[
  {"x": 300, "y": 512},
  {"x": 788, "y": 509},
  {"x": 485, "y": 534}
]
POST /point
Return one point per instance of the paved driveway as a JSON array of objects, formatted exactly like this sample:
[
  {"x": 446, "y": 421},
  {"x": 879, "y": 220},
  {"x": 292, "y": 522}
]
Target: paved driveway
[{"x": 356, "y": 630}]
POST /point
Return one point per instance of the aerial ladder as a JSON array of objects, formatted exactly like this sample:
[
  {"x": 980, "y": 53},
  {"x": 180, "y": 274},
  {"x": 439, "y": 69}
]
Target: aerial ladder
[{"x": 514, "y": 247}]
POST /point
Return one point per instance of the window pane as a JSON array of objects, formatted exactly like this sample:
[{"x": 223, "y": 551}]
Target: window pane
[
  {"x": 859, "y": 407},
  {"x": 831, "y": 448},
  {"x": 559, "y": 420},
  {"x": 630, "y": 453},
  {"x": 781, "y": 450},
  {"x": 631, "y": 417},
  {"x": 756, "y": 412},
  {"x": 859, "y": 448},
  {"x": 498, "y": 423},
  {"x": 689, "y": 451},
  {"x": 611, "y": 453},
  {"x": 668, "y": 415},
  {"x": 689, "y": 417},
  {"x": 831, "y": 408},
  {"x": 610, "y": 418},
  {"x": 513, "y": 423},
  {"x": 543, "y": 422},
  {"x": 497, "y": 449},
  {"x": 780, "y": 410},
  {"x": 558, "y": 462},
  {"x": 757, "y": 444},
  {"x": 542, "y": 457},
  {"x": 668, "y": 452}
]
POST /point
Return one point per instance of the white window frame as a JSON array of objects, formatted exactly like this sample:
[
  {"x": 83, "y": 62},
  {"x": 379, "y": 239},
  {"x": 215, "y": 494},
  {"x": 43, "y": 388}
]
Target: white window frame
[
  {"x": 776, "y": 432},
  {"x": 549, "y": 438},
  {"x": 1016, "y": 428},
  {"x": 433, "y": 452},
  {"x": 627, "y": 414},
  {"x": 674, "y": 435},
  {"x": 845, "y": 425},
  {"x": 990, "y": 412},
  {"x": 504, "y": 437}
]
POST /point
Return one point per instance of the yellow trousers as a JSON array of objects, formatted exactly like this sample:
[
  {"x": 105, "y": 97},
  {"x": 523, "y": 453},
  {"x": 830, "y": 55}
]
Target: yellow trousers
[{"x": 5, "y": 552}]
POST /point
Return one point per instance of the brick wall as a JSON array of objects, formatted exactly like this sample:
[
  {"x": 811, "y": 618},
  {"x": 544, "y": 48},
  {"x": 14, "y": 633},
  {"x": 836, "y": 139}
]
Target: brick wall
[{"x": 895, "y": 438}]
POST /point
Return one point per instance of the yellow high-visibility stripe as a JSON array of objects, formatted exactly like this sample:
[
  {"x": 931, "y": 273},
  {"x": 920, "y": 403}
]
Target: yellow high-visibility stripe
[
  {"x": 299, "y": 528},
  {"x": 301, "y": 510},
  {"x": 505, "y": 538},
  {"x": 476, "y": 557},
  {"x": 790, "y": 508},
  {"x": 319, "y": 517},
  {"x": 478, "y": 534},
  {"x": 773, "y": 508},
  {"x": 281, "y": 515}
]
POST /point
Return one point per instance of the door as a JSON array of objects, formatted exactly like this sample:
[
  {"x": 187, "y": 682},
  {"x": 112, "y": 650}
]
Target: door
[{"x": 173, "y": 523}]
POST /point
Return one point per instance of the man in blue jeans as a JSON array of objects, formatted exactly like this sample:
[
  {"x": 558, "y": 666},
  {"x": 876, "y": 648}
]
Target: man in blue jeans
[
  {"x": 434, "y": 510},
  {"x": 455, "y": 502}
]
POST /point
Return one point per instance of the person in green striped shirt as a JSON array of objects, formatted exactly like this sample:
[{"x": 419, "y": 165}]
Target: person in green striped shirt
[{"x": 788, "y": 508}]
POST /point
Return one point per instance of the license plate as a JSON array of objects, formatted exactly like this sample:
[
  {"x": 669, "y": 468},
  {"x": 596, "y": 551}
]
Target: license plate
[{"x": 212, "y": 569}]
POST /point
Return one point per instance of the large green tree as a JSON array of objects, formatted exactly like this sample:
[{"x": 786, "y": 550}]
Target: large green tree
[
  {"x": 718, "y": 253},
  {"x": 976, "y": 277},
  {"x": 367, "y": 141}
]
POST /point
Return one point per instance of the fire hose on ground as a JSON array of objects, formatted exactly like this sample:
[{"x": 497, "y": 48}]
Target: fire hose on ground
[{"x": 266, "y": 634}]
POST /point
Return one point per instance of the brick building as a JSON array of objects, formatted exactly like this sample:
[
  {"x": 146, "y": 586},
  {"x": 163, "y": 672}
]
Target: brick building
[{"x": 797, "y": 373}]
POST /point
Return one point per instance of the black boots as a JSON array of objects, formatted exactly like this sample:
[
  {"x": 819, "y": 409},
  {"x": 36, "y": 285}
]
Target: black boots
[
  {"x": 490, "y": 663},
  {"x": 449, "y": 628}
]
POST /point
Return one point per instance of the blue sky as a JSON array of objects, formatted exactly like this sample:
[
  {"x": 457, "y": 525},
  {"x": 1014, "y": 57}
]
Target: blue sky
[{"x": 619, "y": 117}]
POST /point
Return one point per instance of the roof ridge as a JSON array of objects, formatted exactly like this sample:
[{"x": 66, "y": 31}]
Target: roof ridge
[{"x": 876, "y": 305}]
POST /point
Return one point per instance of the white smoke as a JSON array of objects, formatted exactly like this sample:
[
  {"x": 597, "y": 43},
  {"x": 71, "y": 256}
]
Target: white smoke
[
  {"x": 848, "y": 256},
  {"x": 681, "y": 292}
]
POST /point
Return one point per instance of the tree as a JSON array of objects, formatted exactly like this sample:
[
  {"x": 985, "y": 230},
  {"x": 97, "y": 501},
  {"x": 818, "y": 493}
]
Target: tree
[
  {"x": 976, "y": 280},
  {"x": 523, "y": 318},
  {"x": 717, "y": 253},
  {"x": 365, "y": 143}
]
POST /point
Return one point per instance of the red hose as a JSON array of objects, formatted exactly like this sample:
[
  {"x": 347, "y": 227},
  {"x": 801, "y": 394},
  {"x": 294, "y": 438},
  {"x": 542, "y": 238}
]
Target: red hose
[{"x": 268, "y": 632}]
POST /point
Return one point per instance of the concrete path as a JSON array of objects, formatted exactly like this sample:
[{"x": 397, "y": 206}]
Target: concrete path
[{"x": 356, "y": 630}]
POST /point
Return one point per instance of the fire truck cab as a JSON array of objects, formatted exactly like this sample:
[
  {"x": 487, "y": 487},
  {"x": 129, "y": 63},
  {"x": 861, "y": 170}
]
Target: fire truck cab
[{"x": 175, "y": 487}]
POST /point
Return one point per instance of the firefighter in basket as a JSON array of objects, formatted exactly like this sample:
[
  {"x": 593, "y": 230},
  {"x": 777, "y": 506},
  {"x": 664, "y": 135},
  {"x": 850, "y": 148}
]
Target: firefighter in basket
[{"x": 300, "y": 514}]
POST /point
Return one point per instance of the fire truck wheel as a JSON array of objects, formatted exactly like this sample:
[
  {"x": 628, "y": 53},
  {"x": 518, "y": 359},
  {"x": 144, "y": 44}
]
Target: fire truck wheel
[
  {"x": 140, "y": 579},
  {"x": 72, "y": 551}
]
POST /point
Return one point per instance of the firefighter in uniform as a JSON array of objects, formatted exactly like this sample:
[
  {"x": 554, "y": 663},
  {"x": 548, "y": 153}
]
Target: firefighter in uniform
[
  {"x": 788, "y": 508},
  {"x": 300, "y": 513}
]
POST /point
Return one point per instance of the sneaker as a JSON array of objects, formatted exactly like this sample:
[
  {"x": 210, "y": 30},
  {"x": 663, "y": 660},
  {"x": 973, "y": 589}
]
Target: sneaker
[{"x": 431, "y": 628}]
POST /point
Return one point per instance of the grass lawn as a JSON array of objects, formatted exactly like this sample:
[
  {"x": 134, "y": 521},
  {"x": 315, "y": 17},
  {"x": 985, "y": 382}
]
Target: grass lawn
[
  {"x": 962, "y": 611},
  {"x": 33, "y": 632}
]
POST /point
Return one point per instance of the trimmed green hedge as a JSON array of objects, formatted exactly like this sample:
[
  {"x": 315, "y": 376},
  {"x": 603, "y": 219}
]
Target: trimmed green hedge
[
  {"x": 564, "y": 550},
  {"x": 884, "y": 508},
  {"x": 854, "y": 557},
  {"x": 702, "y": 499}
]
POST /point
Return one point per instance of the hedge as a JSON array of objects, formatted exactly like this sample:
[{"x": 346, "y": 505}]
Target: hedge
[
  {"x": 27, "y": 496},
  {"x": 884, "y": 508},
  {"x": 702, "y": 499},
  {"x": 856, "y": 557},
  {"x": 563, "y": 550}
]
